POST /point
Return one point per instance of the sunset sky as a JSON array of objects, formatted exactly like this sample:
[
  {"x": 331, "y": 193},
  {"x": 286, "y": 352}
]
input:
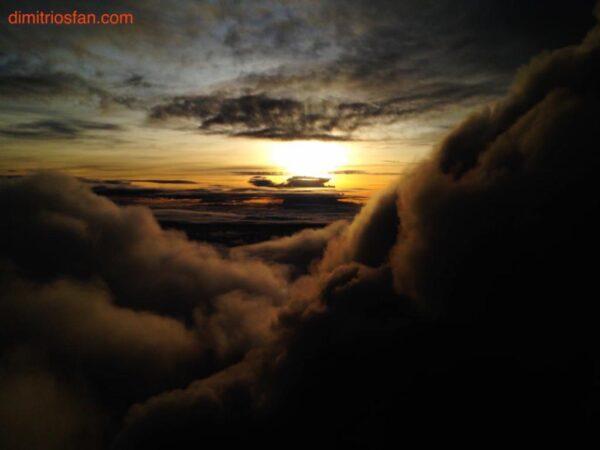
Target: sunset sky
[
  {"x": 298, "y": 225},
  {"x": 218, "y": 92}
]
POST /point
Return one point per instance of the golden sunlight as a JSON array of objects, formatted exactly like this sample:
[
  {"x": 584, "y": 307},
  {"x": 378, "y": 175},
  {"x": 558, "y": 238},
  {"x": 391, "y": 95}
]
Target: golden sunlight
[{"x": 309, "y": 158}]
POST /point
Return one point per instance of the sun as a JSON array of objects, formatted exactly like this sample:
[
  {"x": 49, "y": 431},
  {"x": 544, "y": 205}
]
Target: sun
[{"x": 309, "y": 158}]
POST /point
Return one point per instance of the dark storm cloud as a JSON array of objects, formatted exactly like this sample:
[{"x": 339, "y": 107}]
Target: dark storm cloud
[
  {"x": 261, "y": 116},
  {"x": 56, "y": 129},
  {"x": 292, "y": 182}
]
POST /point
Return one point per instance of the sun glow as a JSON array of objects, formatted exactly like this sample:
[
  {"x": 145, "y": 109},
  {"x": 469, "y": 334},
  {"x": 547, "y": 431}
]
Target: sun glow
[{"x": 309, "y": 158}]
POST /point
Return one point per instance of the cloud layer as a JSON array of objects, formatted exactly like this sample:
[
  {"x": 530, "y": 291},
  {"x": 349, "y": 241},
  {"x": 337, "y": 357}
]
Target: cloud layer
[{"x": 291, "y": 70}]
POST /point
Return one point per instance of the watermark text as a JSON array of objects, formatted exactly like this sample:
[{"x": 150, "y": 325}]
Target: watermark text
[{"x": 69, "y": 18}]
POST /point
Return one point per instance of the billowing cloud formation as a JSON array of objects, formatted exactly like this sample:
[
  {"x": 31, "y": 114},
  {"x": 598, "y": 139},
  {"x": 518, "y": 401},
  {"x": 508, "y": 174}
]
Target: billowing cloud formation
[
  {"x": 297, "y": 251},
  {"x": 89, "y": 232},
  {"x": 75, "y": 290},
  {"x": 457, "y": 298}
]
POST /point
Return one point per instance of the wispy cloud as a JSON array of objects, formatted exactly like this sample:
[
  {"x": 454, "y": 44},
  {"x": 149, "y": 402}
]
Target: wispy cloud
[{"x": 56, "y": 129}]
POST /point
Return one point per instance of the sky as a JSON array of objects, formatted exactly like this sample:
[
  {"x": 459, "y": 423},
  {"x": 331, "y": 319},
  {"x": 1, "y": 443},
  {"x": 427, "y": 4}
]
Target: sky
[
  {"x": 195, "y": 253},
  {"x": 225, "y": 93}
]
